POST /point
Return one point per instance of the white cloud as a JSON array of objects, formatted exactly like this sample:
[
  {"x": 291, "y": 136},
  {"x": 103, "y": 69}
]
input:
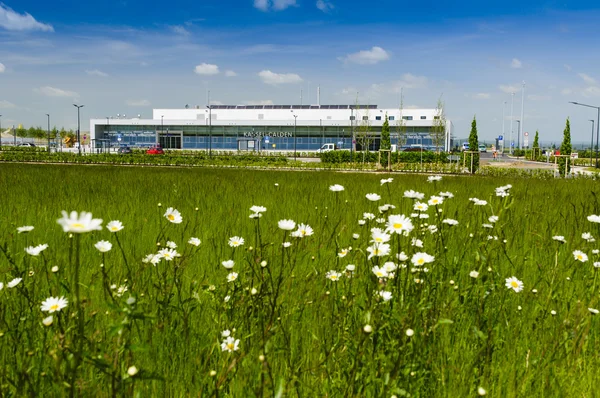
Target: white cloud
[
  {"x": 535, "y": 97},
  {"x": 11, "y": 20},
  {"x": 180, "y": 30},
  {"x": 276, "y": 5},
  {"x": 96, "y": 72},
  {"x": 482, "y": 96},
  {"x": 566, "y": 91},
  {"x": 407, "y": 81},
  {"x": 367, "y": 57},
  {"x": 325, "y": 6},
  {"x": 230, "y": 73},
  {"x": 4, "y": 104},
  {"x": 592, "y": 91},
  {"x": 206, "y": 69},
  {"x": 587, "y": 78},
  {"x": 137, "y": 102},
  {"x": 56, "y": 92},
  {"x": 2, "y": 67},
  {"x": 258, "y": 102},
  {"x": 508, "y": 89},
  {"x": 516, "y": 64},
  {"x": 269, "y": 77}
]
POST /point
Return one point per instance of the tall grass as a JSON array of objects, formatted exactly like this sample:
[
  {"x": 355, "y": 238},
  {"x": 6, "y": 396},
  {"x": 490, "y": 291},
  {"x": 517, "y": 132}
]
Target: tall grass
[{"x": 144, "y": 329}]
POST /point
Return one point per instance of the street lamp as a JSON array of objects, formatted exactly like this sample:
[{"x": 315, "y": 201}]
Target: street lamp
[
  {"x": 295, "y": 118},
  {"x": 162, "y": 126},
  {"x": 78, "y": 127},
  {"x": 519, "y": 135},
  {"x": 597, "y": 124},
  {"x": 47, "y": 114},
  {"x": 209, "y": 130},
  {"x": 592, "y": 144},
  {"x": 0, "y": 132}
]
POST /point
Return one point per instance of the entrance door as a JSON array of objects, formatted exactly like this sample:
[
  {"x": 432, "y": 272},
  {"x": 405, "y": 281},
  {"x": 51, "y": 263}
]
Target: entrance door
[{"x": 171, "y": 140}]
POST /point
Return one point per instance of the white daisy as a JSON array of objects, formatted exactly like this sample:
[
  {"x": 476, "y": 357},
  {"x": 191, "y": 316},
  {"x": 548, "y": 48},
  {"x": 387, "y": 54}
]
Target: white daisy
[
  {"x": 36, "y": 250},
  {"x": 514, "y": 283},
  {"x": 79, "y": 222},
  {"x": 173, "y": 216},
  {"x": 286, "y": 225},
  {"x": 194, "y": 241},
  {"x": 53, "y": 304},
  {"x": 336, "y": 188},
  {"x": 24, "y": 229},
  {"x": 373, "y": 197},
  {"x": 236, "y": 241},
  {"x": 115, "y": 226},
  {"x": 103, "y": 246}
]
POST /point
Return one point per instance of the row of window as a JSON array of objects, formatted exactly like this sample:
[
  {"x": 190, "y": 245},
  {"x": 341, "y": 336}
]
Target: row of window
[{"x": 261, "y": 116}]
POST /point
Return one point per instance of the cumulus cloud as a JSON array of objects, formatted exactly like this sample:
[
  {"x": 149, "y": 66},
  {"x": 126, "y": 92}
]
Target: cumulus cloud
[
  {"x": 325, "y": 6},
  {"x": 56, "y": 92},
  {"x": 269, "y": 77},
  {"x": 206, "y": 69},
  {"x": 509, "y": 88},
  {"x": 11, "y": 20},
  {"x": 258, "y": 102},
  {"x": 230, "y": 73},
  {"x": 516, "y": 63},
  {"x": 180, "y": 30},
  {"x": 482, "y": 96},
  {"x": 367, "y": 57},
  {"x": 96, "y": 72},
  {"x": 407, "y": 81},
  {"x": 4, "y": 104},
  {"x": 2, "y": 67},
  {"x": 592, "y": 91},
  {"x": 587, "y": 78},
  {"x": 142, "y": 102},
  {"x": 274, "y": 5}
]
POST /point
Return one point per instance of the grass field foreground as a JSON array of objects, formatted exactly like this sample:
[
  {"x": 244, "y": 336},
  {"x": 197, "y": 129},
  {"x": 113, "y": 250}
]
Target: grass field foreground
[{"x": 334, "y": 284}]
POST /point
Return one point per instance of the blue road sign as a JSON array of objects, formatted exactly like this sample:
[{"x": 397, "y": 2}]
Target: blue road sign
[
  {"x": 500, "y": 137},
  {"x": 512, "y": 144}
]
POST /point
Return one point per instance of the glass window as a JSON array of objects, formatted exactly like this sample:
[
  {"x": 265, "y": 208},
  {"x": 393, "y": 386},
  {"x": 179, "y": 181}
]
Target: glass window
[
  {"x": 436, "y": 117},
  {"x": 392, "y": 117},
  {"x": 352, "y": 117},
  {"x": 377, "y": 117},
  {"x": 407, "y": 117},
  {"x": 365, "y": 118},
  {"x": 423, "y": 117}
]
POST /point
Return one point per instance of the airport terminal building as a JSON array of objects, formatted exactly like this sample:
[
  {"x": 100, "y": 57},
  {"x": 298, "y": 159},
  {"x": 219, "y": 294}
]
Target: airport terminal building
[{"x": 274, "y": 127}]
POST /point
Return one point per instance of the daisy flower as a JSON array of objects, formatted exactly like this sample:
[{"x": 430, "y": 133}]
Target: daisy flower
[
  {"x": 168, "y": 254},
  {"x": 14, "y": 283},
  {"x": 378, "y": 250},
  {"x": 230, "y": 344},
  {"x": 420, "y": 206},
  {"x": 435, "y": 200},
  {"x": 580, "y": 256},
  {"x": 79, "y": 222},
  {"x": 336, "y": 188},
  {"x": 514, "y": 284},
  {"x": 333, "y": 275},
  {"x": 377, "y": 236},
  {"x": 450, "y": 221},
  {"x": 232, "y": 276},
  {"x": 258, "y": 209},
  {"x": 304, "y": 230},
  {"x": 386, "y": 180},
  {"x": 36, "y": 250},
  {"x": 27, "y": 228},
  {"x": 103, "y": 246},
  {"x": 115, "y": 226},
  {"x": 594, "y": 218},
  {"x": 194, "y": 241},
  {"x": 419, "y": 259},
  {"x": 434, "y": 178},
  {"x": 414, "y": 195},
  {"x": 228, "y": 264},
  {"x": 53, "y": 304},
  {"x": 399, "y": 224},
  {"x": 373, "y": 197},
  {"x": 236, "y": 241},
  {"x": 379, "y": 272},
  {"x": 286, "y": 225},
  {"x": 173, "y": 216},
  {"x": 559, "y": 238},
  {"x": 386, "y": 296}
]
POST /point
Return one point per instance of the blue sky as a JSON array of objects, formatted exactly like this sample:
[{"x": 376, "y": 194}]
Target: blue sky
[{"x": 130, "y": 56}]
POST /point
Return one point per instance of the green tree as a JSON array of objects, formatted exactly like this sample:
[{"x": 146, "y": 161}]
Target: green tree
[
  {"x": 21, "y": 132},
  {"x": 385, "y": 143},
  {"x": 438, "y": 131},
  {"x": 565, "y": 149},
  {"x": 473, "y": 147},
  {"x": 54, "y": 133},
  {"x": 536, "y": 140}
]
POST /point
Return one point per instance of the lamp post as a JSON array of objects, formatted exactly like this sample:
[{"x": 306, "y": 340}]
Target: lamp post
[
  {"x": 519, "y": 136},
  {"x": 209, "y": 129},
  {"x": 162, "y": 126},
  {"x": 295, "y": 118},
  {"x": 78, "y": 127},
  {"x": 597, "y": 124},
  {"x": 47, "y": 114},
  {"x": 351, "y": 134},
  {"x": 0, "y": 132},
  {"x": 592, "y": 144},
  {"x": 512, "y": 103}
]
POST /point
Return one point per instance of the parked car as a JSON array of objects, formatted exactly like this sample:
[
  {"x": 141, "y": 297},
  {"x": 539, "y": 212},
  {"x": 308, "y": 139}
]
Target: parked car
[
  {"x": 465, "y": 146},
  {"x": 124, "y": 150},
  {"x": 29, "y": 144},
  {"x": 327, "y": 148},
  {"x": 482, "y": 148},
  {"x": 155, "y": 150},
  {"x": 415, "y": 149}
]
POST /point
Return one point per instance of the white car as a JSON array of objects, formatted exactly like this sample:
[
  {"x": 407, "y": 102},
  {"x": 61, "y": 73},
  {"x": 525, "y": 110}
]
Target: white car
[{"x": 327, "y": 148}]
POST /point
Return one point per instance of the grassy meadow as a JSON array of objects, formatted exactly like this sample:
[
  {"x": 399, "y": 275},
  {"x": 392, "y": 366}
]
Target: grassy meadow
[{"x": 349, "y": 304}]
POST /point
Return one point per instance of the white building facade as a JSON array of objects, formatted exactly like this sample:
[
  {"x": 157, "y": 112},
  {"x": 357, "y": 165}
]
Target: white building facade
[{"x": 275, "y": 127}]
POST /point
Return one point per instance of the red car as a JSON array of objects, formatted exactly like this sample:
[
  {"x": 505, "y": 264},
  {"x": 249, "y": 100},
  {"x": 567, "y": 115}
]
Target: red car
[{"x": 155, "y": 150}]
